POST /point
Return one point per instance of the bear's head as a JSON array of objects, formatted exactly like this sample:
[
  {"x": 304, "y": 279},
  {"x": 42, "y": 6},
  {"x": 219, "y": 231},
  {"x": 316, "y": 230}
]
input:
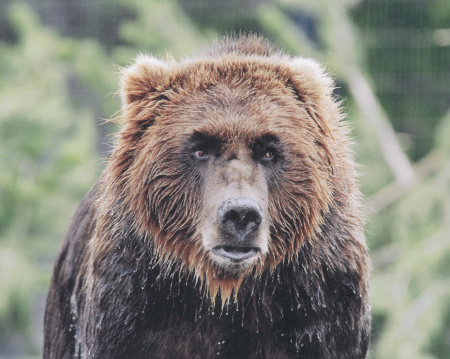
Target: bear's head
[{"x": 225, "y": 162}]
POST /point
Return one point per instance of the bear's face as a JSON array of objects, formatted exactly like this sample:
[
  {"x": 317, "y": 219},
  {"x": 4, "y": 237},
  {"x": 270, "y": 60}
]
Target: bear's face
[
  {"x": 236, "y": 156},
  {"x": 233, "y": 164}
]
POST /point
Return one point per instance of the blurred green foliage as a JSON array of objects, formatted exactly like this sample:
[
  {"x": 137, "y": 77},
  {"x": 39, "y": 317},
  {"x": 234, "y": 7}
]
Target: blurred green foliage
[
  {"x": 47, "y": 160},
  {"x": 58, "y": 83},
  {"x": 411, "y": 282}
]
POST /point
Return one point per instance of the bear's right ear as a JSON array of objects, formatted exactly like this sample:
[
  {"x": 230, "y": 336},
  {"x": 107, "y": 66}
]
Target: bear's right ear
[{"x": 146, "y": 75}]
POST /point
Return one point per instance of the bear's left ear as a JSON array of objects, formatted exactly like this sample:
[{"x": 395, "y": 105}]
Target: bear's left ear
[
  {"x": 146, "y": 75},
  {"x": 310, "y": 80},
  {"x": 314, "y": 87}
]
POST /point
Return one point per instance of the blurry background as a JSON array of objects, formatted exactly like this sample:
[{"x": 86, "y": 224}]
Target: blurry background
[{"x": 58, "y": 82}]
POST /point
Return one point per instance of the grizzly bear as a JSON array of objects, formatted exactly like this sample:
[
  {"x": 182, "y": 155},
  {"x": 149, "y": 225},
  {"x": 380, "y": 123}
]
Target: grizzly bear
[{"x": 227, "y": 222}]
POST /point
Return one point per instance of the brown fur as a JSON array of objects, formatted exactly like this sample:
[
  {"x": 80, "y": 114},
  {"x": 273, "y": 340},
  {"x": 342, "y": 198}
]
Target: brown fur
[{"x": 153, "y": 198}]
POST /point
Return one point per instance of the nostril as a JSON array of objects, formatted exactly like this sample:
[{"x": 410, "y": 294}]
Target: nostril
[
  {"x": 232, "y": 216},
  {"x": 252, "y": 217},
  {"x": 242, "y": 219}
]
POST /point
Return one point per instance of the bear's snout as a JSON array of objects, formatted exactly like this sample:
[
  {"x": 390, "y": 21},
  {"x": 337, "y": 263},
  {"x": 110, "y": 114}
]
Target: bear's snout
[
  {"x": 239, "y": 221},
  {"x": 240, "y": 218}
]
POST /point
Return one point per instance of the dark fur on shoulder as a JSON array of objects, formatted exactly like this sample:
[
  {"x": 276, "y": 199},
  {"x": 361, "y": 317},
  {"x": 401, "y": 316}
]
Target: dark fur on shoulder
[{"x": 226, "y": 224}]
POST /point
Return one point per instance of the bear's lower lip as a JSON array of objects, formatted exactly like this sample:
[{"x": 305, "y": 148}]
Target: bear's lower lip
[{"x": 236, "y": 254}]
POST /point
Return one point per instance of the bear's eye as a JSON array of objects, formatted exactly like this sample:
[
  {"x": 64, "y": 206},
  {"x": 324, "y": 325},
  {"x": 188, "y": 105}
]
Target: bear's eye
[
  {"x": 268, "y": 156},
  {"x": 201, "y": 155},
  {"x": 266, "y": 149},
  {"x": 203, "y": 146}
]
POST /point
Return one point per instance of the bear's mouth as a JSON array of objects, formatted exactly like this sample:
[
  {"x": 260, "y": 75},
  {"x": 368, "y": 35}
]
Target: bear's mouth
[{"x": 236, "y": 254}]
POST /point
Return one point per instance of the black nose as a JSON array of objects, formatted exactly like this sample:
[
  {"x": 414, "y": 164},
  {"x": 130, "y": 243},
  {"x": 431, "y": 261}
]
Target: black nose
[{"x": 240, "y": 218}]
